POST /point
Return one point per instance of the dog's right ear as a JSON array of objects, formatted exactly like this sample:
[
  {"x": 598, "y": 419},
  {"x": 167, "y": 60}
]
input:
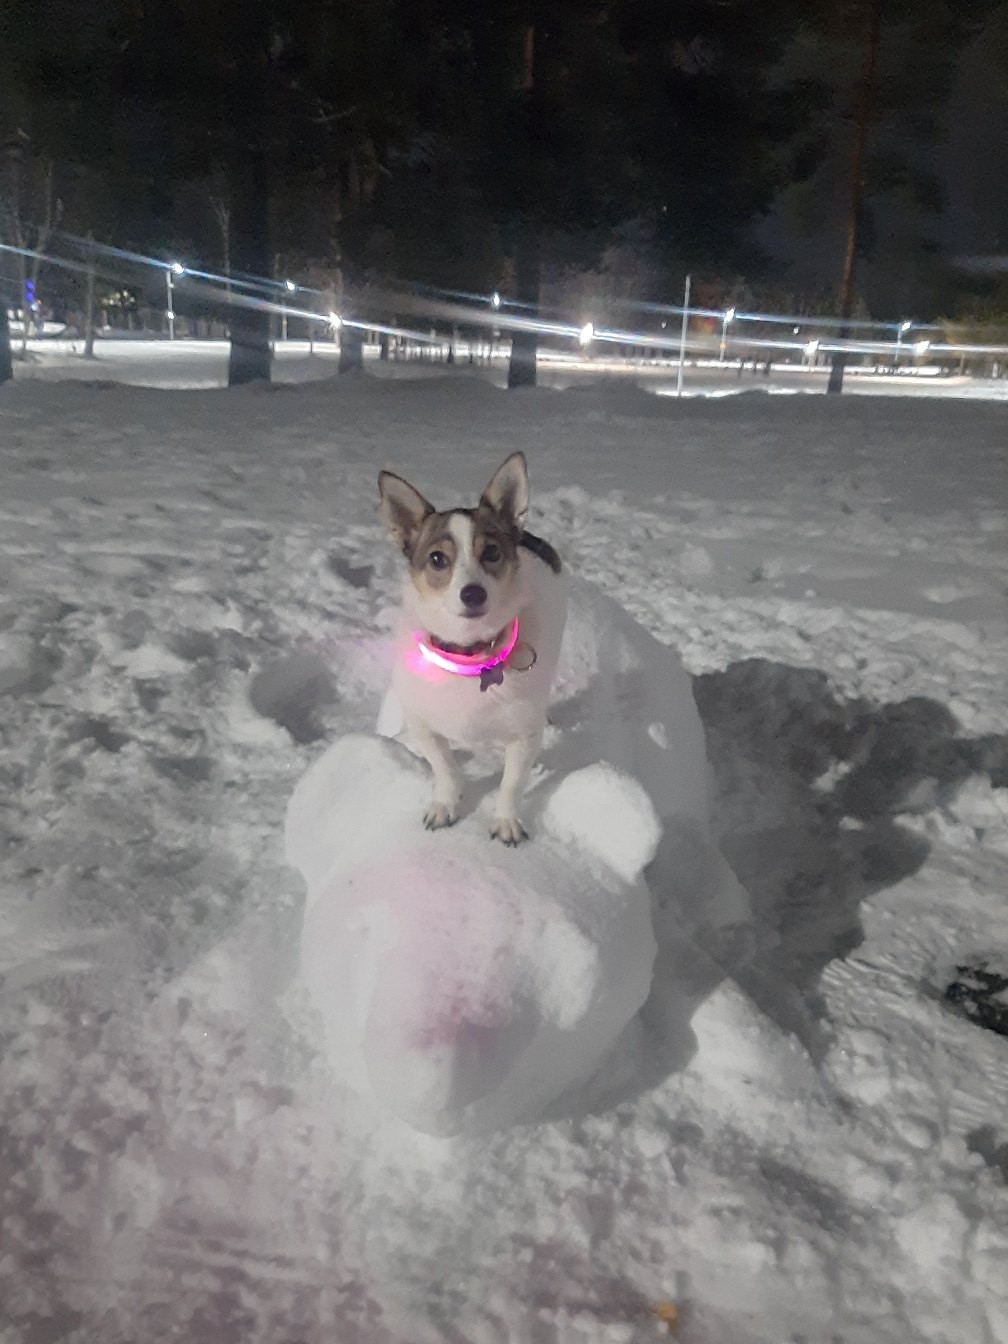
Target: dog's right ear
[{"x": 402, "y": 508}]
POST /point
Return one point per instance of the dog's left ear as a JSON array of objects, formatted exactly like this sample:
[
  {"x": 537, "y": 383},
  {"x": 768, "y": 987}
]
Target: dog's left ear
[{"x": 508, "y": 491}]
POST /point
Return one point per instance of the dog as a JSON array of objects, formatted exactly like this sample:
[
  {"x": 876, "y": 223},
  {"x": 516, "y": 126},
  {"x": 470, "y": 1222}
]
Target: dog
[{"x": 484, "y": 608}]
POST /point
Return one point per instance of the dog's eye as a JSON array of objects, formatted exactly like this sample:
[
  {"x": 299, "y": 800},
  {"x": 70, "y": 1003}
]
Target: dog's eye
[
  {"x": 438, "y": 560},
  {"x": 491, "y": 553}
]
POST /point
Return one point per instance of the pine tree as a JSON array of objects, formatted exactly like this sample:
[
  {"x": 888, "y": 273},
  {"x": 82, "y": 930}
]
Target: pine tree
[
  {"x": 818, "y": 75},
  {"x": 976, "y": 133}
]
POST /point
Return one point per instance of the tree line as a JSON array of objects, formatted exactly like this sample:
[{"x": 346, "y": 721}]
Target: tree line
[{"x": 523, "y": 146}]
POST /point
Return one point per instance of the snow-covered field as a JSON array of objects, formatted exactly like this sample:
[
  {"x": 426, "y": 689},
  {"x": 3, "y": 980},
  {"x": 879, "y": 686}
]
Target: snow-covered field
[
  {"x": 188, "y": 363},
  {"x": 185, "y": 576}
]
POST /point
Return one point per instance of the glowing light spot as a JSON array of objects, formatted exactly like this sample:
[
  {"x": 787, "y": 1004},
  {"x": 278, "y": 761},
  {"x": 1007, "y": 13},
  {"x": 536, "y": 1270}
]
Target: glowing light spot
[{"x": 468, "y": 664}]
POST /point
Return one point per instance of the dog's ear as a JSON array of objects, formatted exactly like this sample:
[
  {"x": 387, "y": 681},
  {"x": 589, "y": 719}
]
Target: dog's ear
[
  {"x": 508, "y": 491},
  {"x": 402, "y": 508}
]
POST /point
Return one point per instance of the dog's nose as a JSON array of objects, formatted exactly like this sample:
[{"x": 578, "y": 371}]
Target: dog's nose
[{"x": 473, "y": 595}]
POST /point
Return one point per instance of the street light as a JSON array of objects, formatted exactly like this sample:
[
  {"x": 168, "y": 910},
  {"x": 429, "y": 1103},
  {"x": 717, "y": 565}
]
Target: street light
[
  {"x": 173, "y": 268},
  {"x": 811, "y": 350},
  {"x": 290, "y": 286},
  {"x": 586, "y": 333},
  {"x": 922, "y": 347},
  {"x": 495, "y": 300},
  {"x": 729, "y": 317},
  {"x": 901, "y": 331}
]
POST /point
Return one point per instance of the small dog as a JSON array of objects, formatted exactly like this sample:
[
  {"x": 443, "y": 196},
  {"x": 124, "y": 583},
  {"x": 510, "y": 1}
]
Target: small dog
[{"x": 484, "y": 610}]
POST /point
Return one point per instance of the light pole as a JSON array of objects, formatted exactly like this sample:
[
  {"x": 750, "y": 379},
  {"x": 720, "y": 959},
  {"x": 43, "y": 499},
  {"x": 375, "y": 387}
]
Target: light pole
[
  {"x": 726, "y": 321},
  {"x": 290, "y": 286},
  {"x": 682, "y": 335},
  {"x": 495, "y": 303},
  {"x": 901, "y": 331},
  {"x": 173, "y": 268}
]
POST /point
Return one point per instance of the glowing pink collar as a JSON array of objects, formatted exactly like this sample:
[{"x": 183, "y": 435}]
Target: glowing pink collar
[{"x": 471, "y": 664}]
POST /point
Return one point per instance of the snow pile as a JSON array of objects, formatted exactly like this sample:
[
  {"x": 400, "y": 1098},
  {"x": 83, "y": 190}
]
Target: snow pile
[{"x": 623, "y": 697}]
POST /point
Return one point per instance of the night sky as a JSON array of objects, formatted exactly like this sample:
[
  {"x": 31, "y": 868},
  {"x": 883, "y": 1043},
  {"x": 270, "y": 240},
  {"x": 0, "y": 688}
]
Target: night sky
[{"x": 602, "y": 147}]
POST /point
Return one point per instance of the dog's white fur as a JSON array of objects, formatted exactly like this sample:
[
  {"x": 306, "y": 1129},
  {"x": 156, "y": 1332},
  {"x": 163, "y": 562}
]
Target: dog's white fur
[{"x": 442, "y": 709}]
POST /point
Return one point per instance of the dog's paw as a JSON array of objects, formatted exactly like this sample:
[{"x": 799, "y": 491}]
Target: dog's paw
[
  {"x": 508, "y": 830},
  {"x": 439, "y": 815}
]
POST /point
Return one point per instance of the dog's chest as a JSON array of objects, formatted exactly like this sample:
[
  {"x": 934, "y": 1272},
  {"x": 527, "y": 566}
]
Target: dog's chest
[{"x": 459, "y": 709}]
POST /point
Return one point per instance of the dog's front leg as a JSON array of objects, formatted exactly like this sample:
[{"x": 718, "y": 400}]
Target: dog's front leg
[
  {"x": 443, "y": 807},
  {"x": 519, "y": 757}
]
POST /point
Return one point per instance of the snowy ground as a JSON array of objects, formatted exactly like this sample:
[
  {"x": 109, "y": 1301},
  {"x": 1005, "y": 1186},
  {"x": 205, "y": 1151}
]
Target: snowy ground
[
  {"x": 197, "y": 363},
  {"x": 182, "y": 574}
]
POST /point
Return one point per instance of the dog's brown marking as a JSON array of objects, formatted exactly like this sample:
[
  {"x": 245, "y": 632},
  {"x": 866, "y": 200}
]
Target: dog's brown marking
[
  {"x": 495, "y": 546},
  {"x": 426, "y": 538},
  {"x": 495, "y": 542},
  {"x": 433, "y": 540}
]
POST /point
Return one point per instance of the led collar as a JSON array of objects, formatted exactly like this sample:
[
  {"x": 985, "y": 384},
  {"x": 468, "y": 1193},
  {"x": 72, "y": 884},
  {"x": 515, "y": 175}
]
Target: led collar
[{"x": 469, "y": 664}]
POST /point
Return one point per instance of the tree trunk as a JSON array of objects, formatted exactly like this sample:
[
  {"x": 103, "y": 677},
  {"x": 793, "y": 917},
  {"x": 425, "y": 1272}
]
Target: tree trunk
[
  {"x": 248, "y": 197},
  {"x": 351, "y": 350},
  {"x": 53, "y": 211},
  {"x": 528, "y": 253},
  {"x": 23, "y": 299},
  {"x": 528, "y": 277},
  {"x": 222, "y": 213},
  {"x": 6, "y": 363},
  {"x": 866, "y": 95},
  {"x": 251, "y": 356}
]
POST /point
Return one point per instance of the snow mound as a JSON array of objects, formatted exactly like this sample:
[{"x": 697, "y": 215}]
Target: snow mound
[
  {"x": 623, "y": 697},
  {"x": 464, "y": 984}
]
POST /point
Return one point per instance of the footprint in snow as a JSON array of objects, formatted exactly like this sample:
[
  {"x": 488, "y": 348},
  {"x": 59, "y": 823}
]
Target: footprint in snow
[
  {"x": 292, "y": 692},
  {"x": 980, "y": 993},
  {"x": 25, "y": 667},
  {"x": 358, "y": 576},
  {"x": 992, "y": 1147}
]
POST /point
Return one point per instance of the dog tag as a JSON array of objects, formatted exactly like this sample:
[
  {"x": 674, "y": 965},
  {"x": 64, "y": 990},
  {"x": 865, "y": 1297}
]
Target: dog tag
[{"x": 491, "y": 676}]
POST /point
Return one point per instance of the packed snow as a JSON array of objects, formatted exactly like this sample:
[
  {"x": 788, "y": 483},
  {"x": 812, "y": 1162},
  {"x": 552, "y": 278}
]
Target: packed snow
[{"x": 803, "y": 1135}]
